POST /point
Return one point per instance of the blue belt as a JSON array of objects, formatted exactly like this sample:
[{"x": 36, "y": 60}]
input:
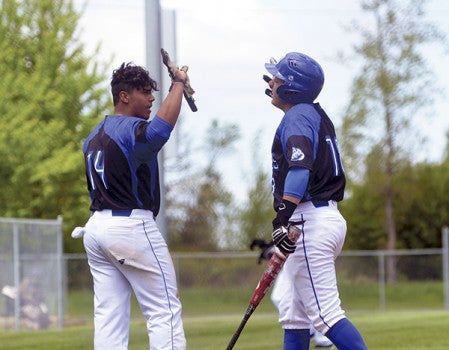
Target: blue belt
[
  {"x": 319, "y": 204},
  {"x": 116, "y": 212}
]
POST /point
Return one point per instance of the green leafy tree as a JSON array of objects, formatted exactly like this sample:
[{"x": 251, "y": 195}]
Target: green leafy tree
[
  {"x": 393, "y": 84},
  {"x": 200, "y": 208},
  {"x": 421, "y": 202},
  {"x": 364, "y": 209},
  {"x": 423, "y": 205},
  {"x": 52, "y": 96},
  {"x": 257, "y": 212}
]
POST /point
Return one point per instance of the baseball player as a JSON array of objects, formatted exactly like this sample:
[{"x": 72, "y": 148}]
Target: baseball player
[
  {"x": 125, "y": 250},
  {"x": 307, "y": 182},
  {"x": 281, "y": 285}
]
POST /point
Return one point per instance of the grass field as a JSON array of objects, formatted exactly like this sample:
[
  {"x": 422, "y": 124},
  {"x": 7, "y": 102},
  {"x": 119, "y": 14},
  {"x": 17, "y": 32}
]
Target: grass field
[
  {"x": 413, "y": 320},
  {"x": 423, "y": 330}
]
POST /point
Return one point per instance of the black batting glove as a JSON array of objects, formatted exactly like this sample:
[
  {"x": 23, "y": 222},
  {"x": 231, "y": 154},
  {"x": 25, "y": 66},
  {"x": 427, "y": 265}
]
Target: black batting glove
[
  {"x": 266, "y": 249},
  {"x": 280, "y": 223},
  {"x": 282, "y": 241}
]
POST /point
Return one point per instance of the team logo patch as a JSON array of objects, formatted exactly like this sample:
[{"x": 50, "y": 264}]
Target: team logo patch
[{"x": 297, "y": 154}]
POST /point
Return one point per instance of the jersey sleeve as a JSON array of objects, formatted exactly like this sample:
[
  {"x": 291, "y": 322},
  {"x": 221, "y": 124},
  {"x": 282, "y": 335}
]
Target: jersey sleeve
[
  {"x": 298, "y": 140},
  {"x": 153, "y": 134},
  {"x": 296, "y": 182},
  {"x": 299, "y": 152}
]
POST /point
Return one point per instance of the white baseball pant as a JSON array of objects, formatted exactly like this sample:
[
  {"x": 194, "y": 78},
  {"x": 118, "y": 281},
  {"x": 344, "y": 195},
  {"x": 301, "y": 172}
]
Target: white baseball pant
[
  {"x": 128, "y": 254},
  {"x": 307, "y": 292}
]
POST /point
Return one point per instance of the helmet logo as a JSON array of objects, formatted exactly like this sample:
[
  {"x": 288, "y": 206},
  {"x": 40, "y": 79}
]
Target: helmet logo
[{"x": 293, "y": 63}]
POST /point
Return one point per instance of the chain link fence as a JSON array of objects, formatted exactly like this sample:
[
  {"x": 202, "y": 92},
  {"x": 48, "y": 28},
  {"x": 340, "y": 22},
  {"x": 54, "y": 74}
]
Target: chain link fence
[
  {"x": 32, "y": 281},
  {"x": 422, "y": 277},
  {"x": 220, "y": 282}
]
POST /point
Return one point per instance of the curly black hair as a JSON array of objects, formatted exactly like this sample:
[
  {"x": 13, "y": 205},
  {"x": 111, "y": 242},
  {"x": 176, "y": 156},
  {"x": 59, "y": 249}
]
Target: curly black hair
[{"x": 129, "y": 77}]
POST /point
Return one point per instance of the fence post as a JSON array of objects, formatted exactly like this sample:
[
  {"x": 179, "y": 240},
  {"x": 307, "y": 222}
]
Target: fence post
[
  {"x": 381, "y": 266},
  {"x": 16, "y": 268},
  {"x": 445, "y": 241},
  {"x": 60, "y": 274}
]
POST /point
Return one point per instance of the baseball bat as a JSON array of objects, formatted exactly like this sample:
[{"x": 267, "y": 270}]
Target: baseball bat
[
  {"x": 166, "y": 60},
  {"x": 269, "y": 275},
  {"x": 266, "y": 281}
]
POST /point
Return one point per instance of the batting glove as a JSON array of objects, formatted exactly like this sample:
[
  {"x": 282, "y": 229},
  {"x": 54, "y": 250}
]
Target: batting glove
[
  {"x": 282, "y": 241},
  {"x": 266, "y": 249},
  {"x": 78, "y": 232}
]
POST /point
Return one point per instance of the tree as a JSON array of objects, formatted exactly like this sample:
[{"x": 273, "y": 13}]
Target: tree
[
  {"x": 200, "y": 208},
  {"x": 394, "y": 83},
  {"x": 421, "y": 202},
  {"x": 257, "y": 212},
  {"x": 53, "y": 95}
]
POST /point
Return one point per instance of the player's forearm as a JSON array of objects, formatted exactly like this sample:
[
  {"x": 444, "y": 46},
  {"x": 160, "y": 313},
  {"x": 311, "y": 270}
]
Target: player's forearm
[
  {"x": 171, "y": 106},
  {"x": 292, "y": 199}
]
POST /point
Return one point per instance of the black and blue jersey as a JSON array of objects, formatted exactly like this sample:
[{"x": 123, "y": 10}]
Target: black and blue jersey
[
  {"x": 306, "y": 138},
  {"x": 120, "y": 156}
]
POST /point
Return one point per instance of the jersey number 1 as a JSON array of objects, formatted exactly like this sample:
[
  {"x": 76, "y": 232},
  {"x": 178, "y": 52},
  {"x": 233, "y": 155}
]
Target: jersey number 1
[
  {"x": 95, "y": 163},
  {"x": 338, "y": 165}
]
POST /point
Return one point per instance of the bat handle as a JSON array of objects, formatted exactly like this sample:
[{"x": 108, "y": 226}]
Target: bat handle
[
  {"x": 248, "y": 313},
  {"x": 191, "y": 102}
]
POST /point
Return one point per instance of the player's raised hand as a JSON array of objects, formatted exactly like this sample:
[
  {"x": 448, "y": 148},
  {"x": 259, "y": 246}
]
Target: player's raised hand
[
  {"x": 174, "y": 71},
  {"x": 187, "y": 87}
]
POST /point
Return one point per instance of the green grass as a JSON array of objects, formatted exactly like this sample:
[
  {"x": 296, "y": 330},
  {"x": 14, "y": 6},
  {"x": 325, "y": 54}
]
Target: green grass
[
  {"x": 413, "y": 320},
  {"x": 386, "y": 331},
  {"x": 364, "y": 295},
  {"x": 360, "y": 296}
]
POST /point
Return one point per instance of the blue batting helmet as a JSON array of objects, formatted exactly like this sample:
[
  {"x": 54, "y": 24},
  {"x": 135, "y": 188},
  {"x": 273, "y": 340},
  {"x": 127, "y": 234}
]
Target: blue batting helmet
[{"x": 303, "y": 77}]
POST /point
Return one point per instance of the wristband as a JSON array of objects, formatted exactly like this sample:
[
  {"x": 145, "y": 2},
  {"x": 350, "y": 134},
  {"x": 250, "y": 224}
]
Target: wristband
[{"x": 284, "y": 212}]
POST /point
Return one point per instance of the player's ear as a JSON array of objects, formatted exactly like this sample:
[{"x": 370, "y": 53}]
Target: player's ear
[{"x": 124, "y": 97}]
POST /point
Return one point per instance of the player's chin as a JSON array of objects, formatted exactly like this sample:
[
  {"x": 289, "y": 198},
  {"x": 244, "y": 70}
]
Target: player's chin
[
  {"x": 275, "y": 102},
  {"x": 145, "y": 116}
]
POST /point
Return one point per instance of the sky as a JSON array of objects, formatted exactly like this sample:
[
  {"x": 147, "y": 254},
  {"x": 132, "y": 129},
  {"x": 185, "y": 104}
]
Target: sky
[{"x": 226, "y": 43}]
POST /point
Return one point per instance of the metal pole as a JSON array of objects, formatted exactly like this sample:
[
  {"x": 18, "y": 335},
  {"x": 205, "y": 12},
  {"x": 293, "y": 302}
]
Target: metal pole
[
  {"x": 16, "y": 266},
  {"x": 381, "y": 264},
  {"x": 445, "y": 240},
  {"x": 59, "y": 277},
  {"x": 154, "y": 64}
]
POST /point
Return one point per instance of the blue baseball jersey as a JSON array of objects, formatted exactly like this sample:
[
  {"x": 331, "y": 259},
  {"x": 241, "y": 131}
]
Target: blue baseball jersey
[
  {"x": 120, "y": 156},
  {"x": 306, "y": 138}
]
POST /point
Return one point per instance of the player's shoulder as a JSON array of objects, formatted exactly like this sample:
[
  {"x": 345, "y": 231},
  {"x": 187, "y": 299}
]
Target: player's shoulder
[
  {"x": 304, "y": 113},
  {"x": 303, "y": 108},
  {"x": 123, "y": 120},
  {"x": 94, "y": 132},
  {"x": 117, "y": 124}
]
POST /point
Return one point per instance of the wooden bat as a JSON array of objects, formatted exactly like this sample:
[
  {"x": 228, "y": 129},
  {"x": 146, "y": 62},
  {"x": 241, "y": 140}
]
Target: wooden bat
[{"x": 169, "y": 64}]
